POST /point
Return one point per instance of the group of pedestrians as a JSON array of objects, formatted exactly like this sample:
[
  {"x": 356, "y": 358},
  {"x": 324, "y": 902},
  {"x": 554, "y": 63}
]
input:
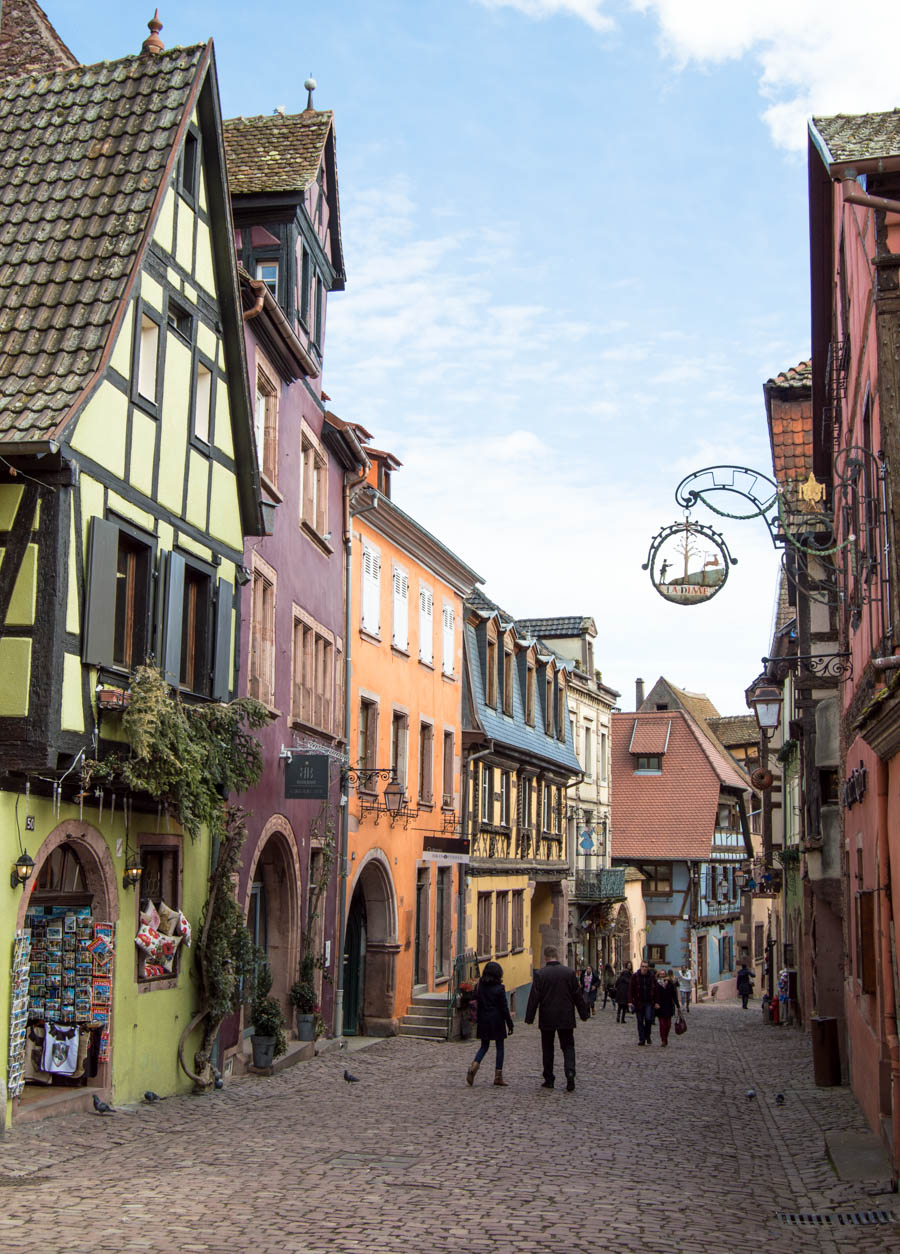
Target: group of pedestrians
[{"x": 558, "y": 993}]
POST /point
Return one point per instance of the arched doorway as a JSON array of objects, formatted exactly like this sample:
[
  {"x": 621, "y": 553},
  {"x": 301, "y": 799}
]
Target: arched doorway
[
  {"x": 370, "y": 953},
  {"x": 622, "y": 938},
  {"x": 71, "y": 899},
  {"x": 273, "y": 908}
]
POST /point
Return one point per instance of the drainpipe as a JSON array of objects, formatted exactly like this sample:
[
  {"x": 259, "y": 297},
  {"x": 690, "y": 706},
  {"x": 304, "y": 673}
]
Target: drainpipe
[
  {"x": 464, "y": 817},
  {"x": 886, "y": 939},
  {"x": 854, "y": 195},
  {"x": 338, "y": 1027}
]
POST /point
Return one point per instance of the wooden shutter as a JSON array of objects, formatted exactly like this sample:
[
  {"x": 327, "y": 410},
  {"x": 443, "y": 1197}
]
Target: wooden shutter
[
  {"x": 866, "y": 940},
  {"x": 222, "y": 656},
  {"x": 173, "y": 614},
  {"x": 426, "y": 625},
  {"x": 448, "y": 622},
  {"x": 371, "y": 590},
  {"x": 100, "y": 602},
  {"x": 401, "y": 609}
]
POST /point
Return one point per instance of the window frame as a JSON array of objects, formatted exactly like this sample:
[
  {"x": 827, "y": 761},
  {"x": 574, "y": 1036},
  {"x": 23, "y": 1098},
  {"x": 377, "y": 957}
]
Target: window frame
[
  {"x": 372, "y": 600},
  {"x": 656, "y": 884},
  {"x": 367, "y": 745},
  {"x": 426, "y": 624},
  {"x": 400, "y": 747},
  {"x": 448, "y": 641},
  {"x": 646, "y": 758},
  {"x": 426, "y": 763},
  {"x": 267, "y": 387},
  {"x": 202, "y": 362},
  {"x": 448, "y": 795},
  {"x": 313, "y": 485},
  {"x": 261, "y": 651},
  {"x": 313, "y": 673},
  {"x": 149, "y": 404},
  {"x": 187, "y": 178},
  {"x": 400, "y": 584},
  {"x": 171, "y": 847}
]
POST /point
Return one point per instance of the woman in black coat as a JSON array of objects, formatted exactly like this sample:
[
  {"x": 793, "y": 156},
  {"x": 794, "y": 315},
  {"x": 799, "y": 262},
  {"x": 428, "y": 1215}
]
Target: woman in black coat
[
  {"x": 666, "y": 1005},
  {"x": 623, "y": 984},
  {"x": 494, "y": 1020}
]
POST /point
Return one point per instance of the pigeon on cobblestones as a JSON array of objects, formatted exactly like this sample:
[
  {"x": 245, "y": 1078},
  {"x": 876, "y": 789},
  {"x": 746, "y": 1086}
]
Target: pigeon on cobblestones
[
  {"x": 751, "y": 1093},
  {"x": 150, "y": 1096},
  {"x": 351, "y": 1079},
  {"x": 102, "y": 1108}
]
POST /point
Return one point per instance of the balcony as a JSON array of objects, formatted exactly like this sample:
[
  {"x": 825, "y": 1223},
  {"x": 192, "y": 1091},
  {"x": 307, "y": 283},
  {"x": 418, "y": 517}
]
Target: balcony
[{"x": 607, "y": 884}]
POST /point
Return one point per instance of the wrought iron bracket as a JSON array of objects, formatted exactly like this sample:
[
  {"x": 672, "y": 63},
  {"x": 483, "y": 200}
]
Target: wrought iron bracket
[{"x": 822, "y": 665}]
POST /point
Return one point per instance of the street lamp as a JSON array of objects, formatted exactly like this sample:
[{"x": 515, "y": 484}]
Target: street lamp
[
  {"x": 764, "y": 699},
  {"x": 22, "y": 870},
  {"x": 393, "y": 796}
]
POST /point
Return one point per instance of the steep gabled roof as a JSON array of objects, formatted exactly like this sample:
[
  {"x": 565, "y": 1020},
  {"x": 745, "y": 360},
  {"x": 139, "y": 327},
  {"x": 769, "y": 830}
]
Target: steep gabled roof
[
  {"x": 790, "y": 423},
  {"x": 83, "y": 159},
  {"x": 28, "y": 42},
  {"x": 857, "y": 137},
  {"x": 735, "y": 730},
  {"x": 704, "y": 714}
]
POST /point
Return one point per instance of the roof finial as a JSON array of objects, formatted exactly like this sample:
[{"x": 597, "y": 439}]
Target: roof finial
[
  {"x": 310, "y": 86},
  {"x": 153, "y": 44}
]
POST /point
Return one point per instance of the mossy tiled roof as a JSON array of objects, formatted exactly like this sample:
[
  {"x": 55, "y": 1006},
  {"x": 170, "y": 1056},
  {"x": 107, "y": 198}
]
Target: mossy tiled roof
[
  {"x": 28, "y": 42},
  {"x": 276, "y": 152},
  {"x": 82, "y": 157},
  {"x": 799, "y": 376},
  {"x": 860, "y": 136}
]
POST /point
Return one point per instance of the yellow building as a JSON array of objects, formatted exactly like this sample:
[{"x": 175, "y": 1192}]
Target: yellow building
[
  {"x": 518, "y": 761},
  {"x": 127, "y": 483}
]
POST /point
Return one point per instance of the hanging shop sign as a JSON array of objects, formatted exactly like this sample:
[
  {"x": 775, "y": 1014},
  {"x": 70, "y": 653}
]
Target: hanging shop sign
[
  {"x": 688, "y": 562},
  {"x": 854, "y": 788},
  {"x": 306, "y": 777},
  {"x": 444, "y": 849}
]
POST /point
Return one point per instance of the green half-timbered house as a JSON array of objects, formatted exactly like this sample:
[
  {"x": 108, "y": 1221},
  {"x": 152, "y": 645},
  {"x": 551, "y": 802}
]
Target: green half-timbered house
[{"x": 128, "y": 481}]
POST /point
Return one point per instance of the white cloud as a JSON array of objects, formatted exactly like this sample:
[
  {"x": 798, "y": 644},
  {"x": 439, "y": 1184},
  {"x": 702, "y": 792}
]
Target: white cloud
[{"x": 590, "y": 11}]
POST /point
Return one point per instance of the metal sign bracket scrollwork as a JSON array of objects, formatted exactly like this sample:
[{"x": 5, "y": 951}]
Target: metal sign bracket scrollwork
[
  {"x": 756, "y": 489},
  {"x": 821, "y": 665}
]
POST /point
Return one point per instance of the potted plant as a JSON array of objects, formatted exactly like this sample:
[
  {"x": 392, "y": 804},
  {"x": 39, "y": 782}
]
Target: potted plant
[
  {"x": 269, "y": 1041},
  {"x": 303, "y": 999}
]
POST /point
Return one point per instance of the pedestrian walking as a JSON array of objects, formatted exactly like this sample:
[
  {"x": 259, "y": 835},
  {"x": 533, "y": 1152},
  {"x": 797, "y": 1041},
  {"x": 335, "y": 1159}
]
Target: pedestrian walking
[
  {"x": 623, "y": 989},
  {"x": 686, "y": 987},
  {"x": 745, "y": 984},
  {"x": 666, "y": 1006},
  {"x": 555, "y": 996},
  {"x": 590, "y": 983},
  {"x": 642, "y": 995},
  {"x": 494, "y": 1021},
  {"x": 609, "y": 984}
]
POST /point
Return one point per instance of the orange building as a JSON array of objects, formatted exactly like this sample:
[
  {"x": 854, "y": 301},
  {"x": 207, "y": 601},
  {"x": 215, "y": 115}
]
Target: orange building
[{"x": 406, "y": 866}]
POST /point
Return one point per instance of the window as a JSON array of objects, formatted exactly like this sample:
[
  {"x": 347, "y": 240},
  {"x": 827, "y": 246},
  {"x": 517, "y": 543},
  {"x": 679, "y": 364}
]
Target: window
[
  {"x": 866, "y": 963},
  {"x": 180, "y": 320},
  {"x": 508, "y": 681},
  {"x": 656, "y": 953},
  {"x": 448, "y": 790},
  {"x": 195, "y": 630},
  {"x": 588, "y": 752},
  {"x": 189, "y": 167},
  {"x": 504, "y": 798},
  {"x": 367, "y": 759},
  {"x": 491, "y": 693},
  {"x": 548, "y": 704},
  {"x": 649, "y": 762},
  {"x": 426, "y": 763},
  {"x": 518, "y": 919},
  {"x": 132, "y": 603},
  {"x": 319, "y": 312},
  {"x": 758, "y": 941},
  {"x": 525, "y": 791},
  {"x": 726, "y": 818},
  {"x": 658, "y": 881},
  {"x": 726, "y": 954},
  {"x": 448, "y": 639},
  {"x": 202, "y": 402},
  {"x": 262, "y": 638},
  {"x": 426, "y": 625},
  {"x": 267, "y": 425},
  {"x": 443, "y": 919},
  {"x": 399, "y": 746},
  {"x": 529, "y": 694},
  {"x": 548, "y": 808},
  {"x": 483, "y": 926},
  {"x": 487, "y": 794},
  {"x": 160, "y": 884},
  {"x": 400, "y": 602},
  {"x": 314, "y": 479},
  {"x": 604, "y": 753},
  {"x": 371, "y": 590},
  {"x": 304, "y": 287},
  {"x": 502, "y": 937},
  {"x": 148, "y": 359},
  {"x": 339, "y": 699},
  {"x": 561, "y": 710},
  {"x": 313, "y": 673},
  {"x": 267, "y": 271}
]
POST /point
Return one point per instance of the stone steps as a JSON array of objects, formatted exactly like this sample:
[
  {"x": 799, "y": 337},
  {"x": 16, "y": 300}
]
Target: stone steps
[{"x": 426, "y": 1017}]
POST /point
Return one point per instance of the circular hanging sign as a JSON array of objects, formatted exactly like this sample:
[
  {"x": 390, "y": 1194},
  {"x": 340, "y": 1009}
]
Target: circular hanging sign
[{"x": 688, "y": 562}]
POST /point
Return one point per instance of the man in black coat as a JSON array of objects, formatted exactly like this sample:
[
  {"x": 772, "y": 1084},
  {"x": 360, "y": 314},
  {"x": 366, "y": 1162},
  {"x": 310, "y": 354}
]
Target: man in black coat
[{"x": 555, "y": 992}]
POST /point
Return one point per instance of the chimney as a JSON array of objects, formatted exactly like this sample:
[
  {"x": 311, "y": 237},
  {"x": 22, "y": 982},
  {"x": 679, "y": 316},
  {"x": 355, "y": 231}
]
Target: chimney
[{"x": 638, "y": 693}]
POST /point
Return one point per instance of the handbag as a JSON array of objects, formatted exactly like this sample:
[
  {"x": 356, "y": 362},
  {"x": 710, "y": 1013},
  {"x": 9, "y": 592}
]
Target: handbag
[{"x": 680, "y": 1026}]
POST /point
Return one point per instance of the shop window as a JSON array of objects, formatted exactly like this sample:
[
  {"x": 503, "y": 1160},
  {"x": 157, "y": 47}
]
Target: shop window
[
  {"x": 483, "y": 927},
  {"x": 262, "y": 638},
  {"x": 160, "y": 887},
  {"x": 61, "y": 875},
  {"x": 267, "y": 424},
  {"x": 443, "y": 918},
  {"x": 517, "y": 938}
]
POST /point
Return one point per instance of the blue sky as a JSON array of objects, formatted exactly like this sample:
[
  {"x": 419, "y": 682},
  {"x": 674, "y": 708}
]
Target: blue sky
[{"x": 575, "y": 236}]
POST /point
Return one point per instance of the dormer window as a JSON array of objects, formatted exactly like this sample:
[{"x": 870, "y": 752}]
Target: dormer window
[
  {"x": 267, "y": 271},
  {"x": 651, "y": 762}
]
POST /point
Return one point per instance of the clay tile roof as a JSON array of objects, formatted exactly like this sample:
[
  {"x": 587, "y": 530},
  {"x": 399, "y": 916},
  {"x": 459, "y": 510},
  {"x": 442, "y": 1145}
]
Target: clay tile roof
[
  {"x": 28, "y": 42},
  {"x": 859, "y": 137},
  {"x": 650, "y": 734},
  {"x": 82, "y": 155},
  {"x": 735, "y": 729},
  {"x": 799, "y": 376},
  {"x": 277, "y": 152},
  {"x": 553, "y": 628},
  {"x": 789, "y": 410}
]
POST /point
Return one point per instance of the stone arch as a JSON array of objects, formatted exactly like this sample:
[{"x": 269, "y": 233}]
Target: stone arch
[
  {"x": 275, "y": 866},
  {"x": 622, "y": 937},
  {"x": 372, "y": 914}
]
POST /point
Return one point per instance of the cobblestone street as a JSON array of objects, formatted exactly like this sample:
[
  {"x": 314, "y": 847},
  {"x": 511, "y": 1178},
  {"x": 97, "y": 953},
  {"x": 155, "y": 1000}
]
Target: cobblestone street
[{"x": 656, "y": 1150}]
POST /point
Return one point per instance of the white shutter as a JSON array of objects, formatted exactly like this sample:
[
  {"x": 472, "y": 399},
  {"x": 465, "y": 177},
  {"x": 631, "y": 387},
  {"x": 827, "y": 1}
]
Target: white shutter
[
  {"x": 426, "y": 625},
  {"x": 371, "y": 590},
  {"x": 401, "y": 609},
  {"x": 448, "y": 622}
]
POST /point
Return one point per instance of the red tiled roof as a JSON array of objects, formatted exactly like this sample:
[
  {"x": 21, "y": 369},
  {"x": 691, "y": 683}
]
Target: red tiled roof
[
  {"x": 650, "y": 734},
  {"x": 789, "y": 409},
  {"x": 673, "y": 814}
]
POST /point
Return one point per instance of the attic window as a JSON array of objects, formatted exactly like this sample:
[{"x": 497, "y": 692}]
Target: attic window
[
  {"x": 648, "y": 763},
  {"x": 180, "y": 320},
  {"x": 268, "y": 272},
  {"x": 189, "y": 168}
]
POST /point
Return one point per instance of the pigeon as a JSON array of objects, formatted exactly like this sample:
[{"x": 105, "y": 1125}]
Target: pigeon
[
  {"x": 150, "y": 1096},
  {"x": 103, "y": 1108},
  {"x": 779, "y": 1099},
  {"x": 751, "y": 1093},
  {"x": 351, "y": 1079},
  {"x": 218, "y": 1083}
]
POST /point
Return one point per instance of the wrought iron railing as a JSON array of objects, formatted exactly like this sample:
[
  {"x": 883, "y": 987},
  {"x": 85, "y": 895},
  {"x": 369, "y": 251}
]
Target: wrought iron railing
[{"x": 605, "y": 884}]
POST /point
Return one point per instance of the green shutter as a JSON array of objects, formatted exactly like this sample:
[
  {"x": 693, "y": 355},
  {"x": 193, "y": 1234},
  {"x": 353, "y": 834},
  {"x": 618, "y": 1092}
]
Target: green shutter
[
  {"x": 222, "y": 656},
  {"x": 100, "y": 602},
  {"x": 174, "y": 610}
]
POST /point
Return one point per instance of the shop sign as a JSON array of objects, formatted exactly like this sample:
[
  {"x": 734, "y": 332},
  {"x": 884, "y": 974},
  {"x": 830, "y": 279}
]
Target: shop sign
[
  {"x": 445, "y": 849},
  {"x": 855, "y": 786},
  {"x": 306, "y": 777}
]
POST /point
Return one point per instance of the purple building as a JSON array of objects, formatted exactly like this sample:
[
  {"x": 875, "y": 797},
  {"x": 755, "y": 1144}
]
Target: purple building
[{"x": 287, "y": 232}]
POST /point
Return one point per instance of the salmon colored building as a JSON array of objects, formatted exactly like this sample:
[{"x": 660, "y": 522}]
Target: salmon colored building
[{"x": 406, "y": 868}]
